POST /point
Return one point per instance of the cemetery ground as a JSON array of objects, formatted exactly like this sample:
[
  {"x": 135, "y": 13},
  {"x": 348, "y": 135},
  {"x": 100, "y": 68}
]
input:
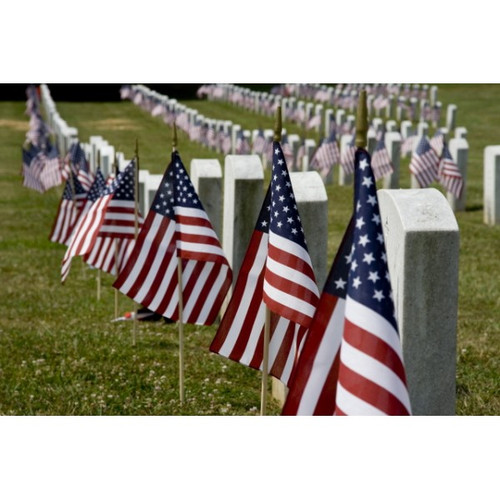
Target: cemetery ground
[{"x": 60, "y": 354}]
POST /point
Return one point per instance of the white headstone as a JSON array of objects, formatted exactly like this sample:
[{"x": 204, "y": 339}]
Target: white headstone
[
  {"x": 94, "y": 140},
  {"x": 344, "y": 179},
  {"x": 243, "y": 197},
  {"x": 107, "y": 153},
  {"x": 393, "y": 146},
  {"x": 329, "y": 118},
  {"x": 152, "y": 185},
  {"x": 234, "y": 133},
  {"x": 206, "y": 176},
  {"x": 451, "y": 116},
  {"x": 391, "y": 126},
  {"x": 491, "y": 185},
  {"x": 143, "y": 188},
  {"x": 422, "y": 242},
  {"x": 371, "y": 140},
  {"x": 459, "y": 150},
  {"x": 461, "y": 133},
  {"x": 309, "y": 148},
  {"x": 422, "y": 128}
]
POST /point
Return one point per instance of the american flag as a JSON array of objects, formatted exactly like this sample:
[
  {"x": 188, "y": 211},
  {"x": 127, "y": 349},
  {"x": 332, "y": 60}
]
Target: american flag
[
  {"x": 287, "y": 151},
  {"x": 80, "y": 165},
  {"x": 407, "y": 145},
  {"x": 449, "y": 174},
  {"x": 89, "y": 222},
  {"x": 242, "y": 146},
  {"x": 313, "y": 383},
  {"x": 125, "y": 92},
  {"x": 240, "y": 333},
  {"x": 69, "y": 209},
  {"x": 277, "y": 254},
  {"x": 326, "y": 155},
  {"x": 177, "y": 226},
  {"x": 347, "y": 156},
  {"x": 290, "y": 288},
  {"x": 226, "y": 143},
  {"x": 259, "y": 143},
  {"x": 119, "y": 224},
  {"x": 437, "y": 142},
  {"x": 381, "y": 161},
  {"x": 424, "y": 163},
  {"x": 51, "y": 173},
  {"x": 300, "y": 154},
  {"x": 314, "y": 121},
  {"x": 371, "y": 378},
  {"x": 32, "y": 168}
]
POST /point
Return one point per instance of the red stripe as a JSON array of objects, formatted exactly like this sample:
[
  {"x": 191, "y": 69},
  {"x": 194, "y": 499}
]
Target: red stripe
[
  {"x": 290, "y": 287},
  {"x": 192, "y": 221},
  {"x": 204, "y": 293},
  {"x": 284, "y": 350},
  {"x": 287, "y": 259},
  {"x": 287, "y": 312},
  {"x": 222, "y": 294}
]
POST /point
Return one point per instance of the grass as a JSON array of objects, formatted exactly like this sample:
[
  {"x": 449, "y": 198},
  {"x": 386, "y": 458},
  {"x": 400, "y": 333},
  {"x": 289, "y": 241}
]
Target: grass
[{"x": 61, "y": 355}]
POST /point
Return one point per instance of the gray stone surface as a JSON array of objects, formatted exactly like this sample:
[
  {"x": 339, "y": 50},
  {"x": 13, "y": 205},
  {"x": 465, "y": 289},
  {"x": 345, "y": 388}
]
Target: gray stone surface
[
  {"x": 344, "y": 179},
  {"x": 451, "y": 116},
  {"x": 393, "y": 146},
  {"x": 206, "y": 176},
  {"x": 152, "y": 185},
  {"x": 243, "y": 197},
  {"x": 422, "y": 242},
  {"x": 491, "y": 185},
  {"x": 309, "y": 147},
  {"x": 459, "y": 150},
  {"x": 461, "y": 133}
]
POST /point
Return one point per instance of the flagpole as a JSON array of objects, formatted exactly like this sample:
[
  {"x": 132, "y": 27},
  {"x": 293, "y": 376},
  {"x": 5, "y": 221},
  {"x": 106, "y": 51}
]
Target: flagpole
[
  {"x": 361, "y": 120},
  {"x": 116, "y": 249},
  {"x": 267, "y": 324},
  {"x": 136, "y": 225},
  {"x": 98, "y": 277},
  {"x": 181, "y": 302}
]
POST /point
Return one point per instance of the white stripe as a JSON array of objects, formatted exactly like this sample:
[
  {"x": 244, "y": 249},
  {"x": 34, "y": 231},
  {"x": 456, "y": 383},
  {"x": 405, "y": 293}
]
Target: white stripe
[
  {"x": 276, "y": 340},
  {"x": 288, "y": 300},
  {"x": 173, "y": 304},
  {"x": 328, "y": 348},
  {"x": 372, "y": 322},
  {"x": 191, "y": 212},
  {"x": 352, "y": 405},
  {"x": 198, "y": 230},
  {"x": 199, "y": 248},
  {"x": 169, "y": 275},
  {"x": 253, "y": 339},
  {"x": 114, "y": 203},
  {"x": 292, "y": 275},
  {"x": 374, "y": 370},
  {"x": 117, "y": 229},
  {"x": 110, "y": 215}
]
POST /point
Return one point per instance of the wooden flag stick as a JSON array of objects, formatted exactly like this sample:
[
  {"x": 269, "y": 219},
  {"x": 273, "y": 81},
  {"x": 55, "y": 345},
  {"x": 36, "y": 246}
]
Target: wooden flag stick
[
  {"x": 136, "y": 211},
  {"x": 265, "y": 362},
  {"x": 181, "y": 302},
  {"x": 267, "y": 324},
  {"x": 361, "y": 120},
  {"x": 98, "y": 276},
  {"x": 117, "y": 170}
]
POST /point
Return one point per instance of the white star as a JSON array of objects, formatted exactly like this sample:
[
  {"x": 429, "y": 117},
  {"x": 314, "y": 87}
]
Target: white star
[
  {"x": 354, "y": 265},
  {"x": 373, "y": 276},
  {"x": 363, "y": 164},
  {"x": 263, "y": 223},
  {"x": 340, "y": 283},
  {"x": 380, "y": 237},
  {"x": 278, "y": 188},
  {"x": 276, "y": 213},
  {"x": 376, "y": 218},
  {"x": 378, "y": 295},
  {"x": 384, "y": 257},
  {"x": 368, "y": 258},
  {"x": 279, "y": 224},
  {"x": 363, "y": 240},
  {"x": 282, "y": 198},
  {"x": 276, "y": 151},
  {"x": 358, "y": 205},
  {"x": 356, "y": 282},
  {"x": 275, "y": 177},
  {"x": 285, "y": 209},
  {"x": 372, "y": 200},
  {"x": 387, "y": 277},
  {"x": 284, "y": 173},
  {"x": 367, "y": 182},
  {"x": 289, "y": 220},
  {"x": 294, "y": 231},
  {"x": 360, "y": 223}
]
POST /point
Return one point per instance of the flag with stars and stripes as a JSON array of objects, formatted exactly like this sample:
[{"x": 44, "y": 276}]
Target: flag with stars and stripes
[
  {"x": 424, "y": 163},
  {"x": 51, "y": 172},
  {"x": 259, "y": 143},
  {"x": 381, "y": 161},
  {"x": 437, "y": 141},
  {"x": 242, "y": 146},
  {"x": 326, "y": 155},
  {"x": 284, "y": 269},
  {"x": 72, "y": 201},
  {"x": 89, "y": 221},
  {"x": 371, "y": 376},
  {"x": 449, "y": 174},
  {"x": 177, "y": 226},
  {"x": 32, "y": 168},
  {"x": 80, "y": 165},
  {"x": 347, "y": 156},
  {"x": 115, "y": 239}
]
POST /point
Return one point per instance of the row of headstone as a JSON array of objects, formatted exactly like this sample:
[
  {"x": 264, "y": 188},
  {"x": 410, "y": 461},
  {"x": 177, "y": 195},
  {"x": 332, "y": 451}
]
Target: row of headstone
[
  {"x": 65, "y": 135},
  {"x": 491, "y": 185}
]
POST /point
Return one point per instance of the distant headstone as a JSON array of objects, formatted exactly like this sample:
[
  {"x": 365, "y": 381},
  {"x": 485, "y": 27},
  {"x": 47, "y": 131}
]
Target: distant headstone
[
  {"x": 344, "y": 179},
  {"x": 329, "y": 119},
  {"x": 234, "y": 134},
  {"x": 206, "y": 176},
  {"x": 422, "y": 128},
  {"x": 391, "y": 126},
  {"x": 243, "y": 197},
  {"x": 451, "y": 116},
  {"x": 422, "y": 242},
  {"x": 107, "y": 158},
  {"x": 143, "y": 191},
  {"x": 460, "y": 133},
  {"x": 433, "y": 95},
  {"x": 459, "y": 150},
  {"x": 371, "y": 140},
  {"x": 309, "y": 148},
  {"x": 393, "y": 146},
  {"x": 491, "y": 185},
  {"x": 94, "y": 140},
  {"x": 152, "y": 185}
]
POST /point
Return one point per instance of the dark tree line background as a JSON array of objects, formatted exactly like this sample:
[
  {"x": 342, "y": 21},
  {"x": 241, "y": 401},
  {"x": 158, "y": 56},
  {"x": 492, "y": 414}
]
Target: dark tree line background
[{"x": 106, "y": 92}]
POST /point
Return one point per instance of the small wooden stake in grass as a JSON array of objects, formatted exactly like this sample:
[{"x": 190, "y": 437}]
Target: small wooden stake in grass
[
  {"x": 136, "y": 210},
  {"x": 361, "y": 120},
  {"x": 267, "y": 324},
  {"x": 181, "y": 303},
  {"x": 117, "y": 170},
  {"x": 98, "y": 277}
]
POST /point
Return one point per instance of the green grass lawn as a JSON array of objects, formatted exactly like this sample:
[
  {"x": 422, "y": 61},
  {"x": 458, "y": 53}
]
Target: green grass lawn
[{"x": 60, "y": 354}]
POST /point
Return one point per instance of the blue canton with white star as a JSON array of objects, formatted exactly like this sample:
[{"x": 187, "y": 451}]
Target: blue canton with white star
[
  {"x": 176, "y": 189},
  {"x": 285, "y": 219},
  {"x": 369, "y": 281},
  {"x": 120, "y": 183},
  {"x": 264, "y": 215}
]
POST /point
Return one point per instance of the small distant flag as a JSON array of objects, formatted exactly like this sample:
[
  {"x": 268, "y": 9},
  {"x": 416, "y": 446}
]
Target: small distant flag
[
  {"x": 381, "y": 161},
  {"x": 347, "y": 156},
  {"x": 424, "y": 163},
  {"x": 449, "y": 174}
]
